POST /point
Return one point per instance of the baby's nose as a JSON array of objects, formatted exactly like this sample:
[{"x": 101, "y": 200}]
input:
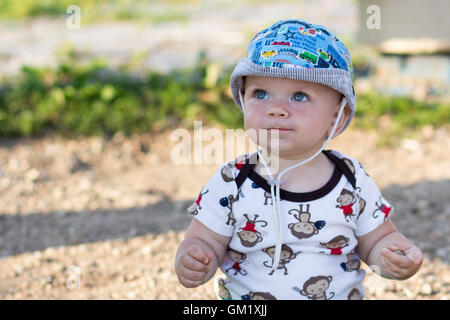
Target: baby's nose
[{"x": 277, "y": 111}]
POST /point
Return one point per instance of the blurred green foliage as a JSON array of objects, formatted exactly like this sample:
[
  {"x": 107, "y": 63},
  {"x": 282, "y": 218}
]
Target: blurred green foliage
[
  {"x": 93, "y": 11},
  {"x": 93, "y": 99},
  {"x": 403, "y": 112},
  {"x": 395, "y": 117}
]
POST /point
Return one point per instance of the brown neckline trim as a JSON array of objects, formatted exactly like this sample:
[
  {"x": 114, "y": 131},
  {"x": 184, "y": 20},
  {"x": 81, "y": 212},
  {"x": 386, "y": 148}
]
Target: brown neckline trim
[{"x": 340, "y": 169}]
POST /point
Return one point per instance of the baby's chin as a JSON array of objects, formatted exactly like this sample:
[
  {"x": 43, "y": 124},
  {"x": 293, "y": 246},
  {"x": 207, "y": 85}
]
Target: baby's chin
[
  {"x": 288, "y": 151},
  {"x": 280, "y": 151}
]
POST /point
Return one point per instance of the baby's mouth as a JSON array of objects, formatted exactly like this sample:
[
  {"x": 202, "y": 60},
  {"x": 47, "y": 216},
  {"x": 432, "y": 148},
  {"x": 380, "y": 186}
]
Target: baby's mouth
[{"x": 278, "y": 129}]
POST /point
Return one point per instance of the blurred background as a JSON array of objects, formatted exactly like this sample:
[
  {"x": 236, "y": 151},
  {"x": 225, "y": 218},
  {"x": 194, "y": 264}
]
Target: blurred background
[{"x": 91, "y": 204}]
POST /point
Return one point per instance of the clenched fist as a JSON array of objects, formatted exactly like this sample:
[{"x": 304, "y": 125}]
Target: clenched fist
[
  {"x": 401, "y": 261},
  {"x": 193, "y": 265}
]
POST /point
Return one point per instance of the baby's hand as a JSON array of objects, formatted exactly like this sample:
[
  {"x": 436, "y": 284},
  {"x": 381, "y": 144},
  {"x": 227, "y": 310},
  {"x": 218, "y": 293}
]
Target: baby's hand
[
  {"x": 400, "y": 261},
  {"x": 193, "y": 266}
]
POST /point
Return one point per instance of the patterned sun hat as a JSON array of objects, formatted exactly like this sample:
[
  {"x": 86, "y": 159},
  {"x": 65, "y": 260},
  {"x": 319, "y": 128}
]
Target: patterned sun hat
[{"x": 296, "y": 49}]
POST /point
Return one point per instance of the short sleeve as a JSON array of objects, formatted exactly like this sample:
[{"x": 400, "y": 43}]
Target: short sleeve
[
  {"x": 374, "y": 208},
  {"x": 213, "y": 206}
]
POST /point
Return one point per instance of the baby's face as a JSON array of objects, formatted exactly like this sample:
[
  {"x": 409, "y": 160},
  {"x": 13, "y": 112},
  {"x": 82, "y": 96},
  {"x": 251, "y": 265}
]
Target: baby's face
[{"x": 302, "y": 112}]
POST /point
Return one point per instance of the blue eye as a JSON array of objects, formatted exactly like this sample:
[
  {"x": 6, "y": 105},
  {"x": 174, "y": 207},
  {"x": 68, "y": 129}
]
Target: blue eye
[
  {"x": 298, "y": 96},
  {"x": 260, "y": 94}
]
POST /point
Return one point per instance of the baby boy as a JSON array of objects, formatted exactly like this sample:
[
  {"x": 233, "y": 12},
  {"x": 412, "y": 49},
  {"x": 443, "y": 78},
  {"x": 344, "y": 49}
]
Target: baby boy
[{"x": 303, "y": 234}]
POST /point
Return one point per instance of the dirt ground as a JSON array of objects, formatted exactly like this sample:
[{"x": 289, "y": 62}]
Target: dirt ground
[{"x": 101, "y": 218}]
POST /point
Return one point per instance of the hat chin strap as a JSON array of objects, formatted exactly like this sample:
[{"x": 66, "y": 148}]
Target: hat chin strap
[{"x": 275, "y": 183}]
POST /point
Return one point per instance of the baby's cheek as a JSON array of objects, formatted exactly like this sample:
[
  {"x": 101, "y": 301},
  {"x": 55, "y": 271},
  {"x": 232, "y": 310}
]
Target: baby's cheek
[
  {"x": 253, "y": 128},
  {"x": 247, "y": 123}
]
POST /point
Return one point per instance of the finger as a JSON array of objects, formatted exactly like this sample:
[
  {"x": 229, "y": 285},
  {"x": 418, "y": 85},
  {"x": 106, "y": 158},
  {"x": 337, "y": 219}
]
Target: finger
[
  {"x": 396, "y": 259},
  {"x": 190, "y": 263},
  {"x": 192, "y": 275},
  {"x": 188, "y": 283},
  {"x": 198, "y": 254},
  {"x": 398, "y": 270},
  {"x": 393, "y": 247},
  {"x": 390, "y": 268},
  {"x": 396, "y": 249},
  {"x": 399, "y": 246},
  {"x": 414, "y": 254},
  {"x": 210, "y": 256},
  {"x": 387, "y": 264}
]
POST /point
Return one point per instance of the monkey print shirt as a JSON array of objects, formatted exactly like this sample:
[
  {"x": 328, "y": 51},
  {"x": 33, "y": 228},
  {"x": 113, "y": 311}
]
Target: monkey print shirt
[{"x": 318, "y": 258}]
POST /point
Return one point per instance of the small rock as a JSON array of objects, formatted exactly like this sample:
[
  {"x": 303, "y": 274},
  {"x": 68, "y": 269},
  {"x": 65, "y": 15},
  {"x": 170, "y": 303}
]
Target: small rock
[
  {"x": 144, "y": 148},
  {"x": 154, "y": 159},
  {"x": 410, "y": 145},
  {"x": 97, "y": 146},
  {"x": 146, "y": 250},
  {"x": 78, "y": 165},
  {"x": 426, "y": 289},
  {"x": 442, "y": 252},
  {"x": 422, "y": 204},
  {"x": 428, "y": 131},
  {"x": 32, "y": 174},
  {"x": 5, "y": 183},
  {"x": 407, "y": 292},
  {"x": 114, "y": 295},
  {"x": 85, "y": 184},
  {"x": 436, "y": 286}
]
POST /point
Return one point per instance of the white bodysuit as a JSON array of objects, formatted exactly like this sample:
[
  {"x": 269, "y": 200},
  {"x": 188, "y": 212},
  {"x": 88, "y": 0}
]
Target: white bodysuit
[{"x": 318, "y": 259}]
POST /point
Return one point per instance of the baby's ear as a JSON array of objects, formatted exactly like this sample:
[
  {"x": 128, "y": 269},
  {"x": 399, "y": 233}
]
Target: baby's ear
[{"x": 342, "y": 121}]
